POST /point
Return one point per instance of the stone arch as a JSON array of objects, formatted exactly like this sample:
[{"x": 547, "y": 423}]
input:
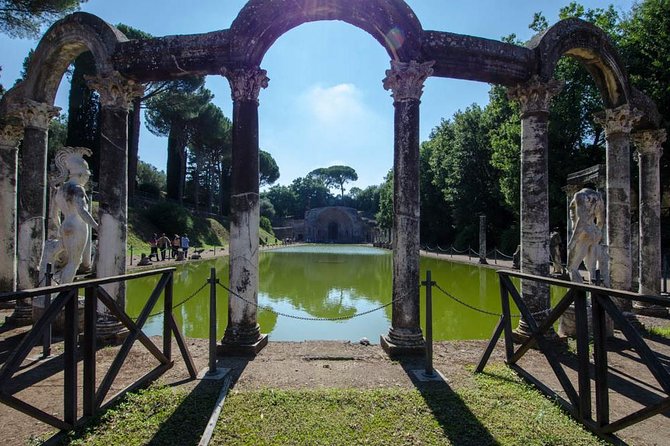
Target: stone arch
[
  {"x": 61, "y": 44},
  {"x": 593, "y": 48},
  {"x": 260, "y": 23}
]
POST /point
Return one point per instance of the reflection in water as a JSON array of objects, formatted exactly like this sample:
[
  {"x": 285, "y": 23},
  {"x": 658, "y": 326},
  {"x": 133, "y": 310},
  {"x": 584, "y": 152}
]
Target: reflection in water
[{"x": 329, "y": 281}]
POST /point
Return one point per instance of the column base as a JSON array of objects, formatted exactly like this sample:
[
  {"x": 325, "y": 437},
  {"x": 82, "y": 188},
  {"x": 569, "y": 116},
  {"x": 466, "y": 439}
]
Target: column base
[
  {"x": 109, "y": 331},
  {"x": 242, "y": 340},
  {"x": 483, "y": 261},
  {"x": 242, "y": 349},
  {"x": 22, "y": 315},
  {"x": 403, "y": 342},
  {"x": 649, "y": 310}
]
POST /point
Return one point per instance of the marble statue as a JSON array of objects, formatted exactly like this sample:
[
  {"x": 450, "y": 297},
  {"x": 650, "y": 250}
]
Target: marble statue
[
  {"x": 69, "y": 216},
  {"x": 587, "y": 213}
]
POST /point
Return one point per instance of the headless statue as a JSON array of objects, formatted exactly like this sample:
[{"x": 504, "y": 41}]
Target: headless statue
[
  {"x": 587, "y": 213},
  {"x": 69, "y": 217}
]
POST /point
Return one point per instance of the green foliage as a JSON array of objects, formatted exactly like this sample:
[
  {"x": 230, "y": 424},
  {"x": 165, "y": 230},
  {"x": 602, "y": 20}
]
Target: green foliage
[
  {"x": 385, "y": 214},
  {"x": 283, "y": 199},
  {"x": 335, "y": 176},
  {"x": 26, "y": 18},
  {"x": 57, "y": 134},
  {"x": 150, "y": 179},
  {"x": 366, "y": 200},
  {"x": 268, "y": 168},
  {"x": 267, "y": 209},
  {"x": 170, "y": 218},
  {"x": 83, "y": 124},
  {"x": 266, "y": 225}
]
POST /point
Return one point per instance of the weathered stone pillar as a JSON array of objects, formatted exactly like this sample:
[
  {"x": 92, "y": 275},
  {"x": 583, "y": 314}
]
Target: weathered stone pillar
[
  {"x": 11, "y": 133},
  {"x": 116, "y": 94},
  {"x": 405, "y": 80},
  {"x": 482, "y": 240},
  {"x": 32, "y": 187},
  {"x": 649, "y": 149},
  {"x": 243, "y": 335},
  {"x": 618, "y": 123},
  {"x": 534, "y": 97}
]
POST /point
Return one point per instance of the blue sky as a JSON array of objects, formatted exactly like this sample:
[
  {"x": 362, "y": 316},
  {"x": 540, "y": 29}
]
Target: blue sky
[{"x": 325, "y": 104}]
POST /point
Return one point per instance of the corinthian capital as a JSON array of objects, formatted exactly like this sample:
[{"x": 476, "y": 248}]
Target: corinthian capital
[
  {"x": 405, "y": 79},
  {"x": 10, "y": 135},
  {"x": 115, "y": 90},
  {"x": 649, "y": 142},
  {"x": 618, "y": 120},
  {"x": 535, "y": 95},
  {"x": 38, "y": 115},
  {"x": 246, "y": 83}
]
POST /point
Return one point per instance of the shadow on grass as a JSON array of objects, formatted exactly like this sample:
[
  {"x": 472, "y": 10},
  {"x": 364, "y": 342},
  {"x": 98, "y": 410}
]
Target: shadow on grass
[
  {"x": 187, "y": 423},
  {"x": 457, "y": 421}
]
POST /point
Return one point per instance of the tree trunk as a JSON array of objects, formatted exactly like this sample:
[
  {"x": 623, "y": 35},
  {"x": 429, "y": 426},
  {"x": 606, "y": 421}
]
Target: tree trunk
[
  {"x": 176, "y": 166},
  {"x": 133, "y": 145}
]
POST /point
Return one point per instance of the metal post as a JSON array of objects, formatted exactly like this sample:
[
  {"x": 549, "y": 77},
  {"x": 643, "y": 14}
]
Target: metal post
[
  {"x": 665, "y": 273},
  {"x": 46, "y": 338},
  {"x": 131, "y": 254},
  {"x": 212, "y": 321},
  {"x": 469, "y": 253},
  {"x": 495, "y": 255},
  {"x": 215, "y": 251},
  {"x": 429, "y": 324}
]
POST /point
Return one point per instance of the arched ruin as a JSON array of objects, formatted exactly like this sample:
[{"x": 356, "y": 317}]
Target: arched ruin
[{"x": 237, "y": 53}]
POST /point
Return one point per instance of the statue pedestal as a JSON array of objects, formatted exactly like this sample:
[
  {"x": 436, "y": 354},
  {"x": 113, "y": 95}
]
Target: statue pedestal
[
  {"x": 22, "y": 315},
  {"x": 109, "y": 331}
]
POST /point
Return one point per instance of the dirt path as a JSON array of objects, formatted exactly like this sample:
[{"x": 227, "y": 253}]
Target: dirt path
[{"x": 317, "y": 364}]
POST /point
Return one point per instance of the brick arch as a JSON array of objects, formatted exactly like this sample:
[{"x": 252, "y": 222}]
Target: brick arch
[
  {"x": 260, "y": 23},
  {"x": 60, "y": 46},
  {"x": 593, "y": 48}
]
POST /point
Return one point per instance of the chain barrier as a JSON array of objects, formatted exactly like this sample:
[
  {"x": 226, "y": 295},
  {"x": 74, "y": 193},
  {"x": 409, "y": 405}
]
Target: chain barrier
[
  {"x": 490, "y": 313},
  {"x": 304, "y": 318},
  {"x": 181, "y": 302}
]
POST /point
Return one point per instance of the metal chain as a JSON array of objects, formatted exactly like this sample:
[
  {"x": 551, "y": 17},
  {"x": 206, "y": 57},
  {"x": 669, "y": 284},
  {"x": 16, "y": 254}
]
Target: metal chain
[
  {"x": 490, "y": 313},
  {"x": 537, "y": 313},
  {"x": 182, "y": 302},
  {"x": 304, "y": 318}
]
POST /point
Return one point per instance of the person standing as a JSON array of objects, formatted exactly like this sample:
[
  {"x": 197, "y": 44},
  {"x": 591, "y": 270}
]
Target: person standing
[
  {"x": 184, "y": 245},
  {"x": 153, "y": 242},
  {"x": 164, "y": 245},
  {"x": 176, "y": 243}
]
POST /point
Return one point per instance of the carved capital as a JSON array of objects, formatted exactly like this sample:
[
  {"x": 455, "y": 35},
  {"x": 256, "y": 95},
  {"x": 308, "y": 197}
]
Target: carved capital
[
  {"x": 115, "y": 90},
  {"x": 649, "y": 142},
  {"x": 246, "y": 83},
  {"x": 406, "y": 79},
  {"x": 618, "y": 120},
  {"x": 38, "y": 115},
  {"x": 535, "y": 95},
  {"x": 11, "y": 135}
]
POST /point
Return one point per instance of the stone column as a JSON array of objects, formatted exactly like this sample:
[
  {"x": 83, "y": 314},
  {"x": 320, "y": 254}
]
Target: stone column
[
  {"x": 11, "y": 134},
  {"x": 116, "y": 94},
  {"x": 243, "y": 335},
  {"x": 405, "y": 80},
  {"x": 32, "y": 195},
  {"x": 482, "y": 240},
  {"x": 618, "y": 123},
  {"x": 649, "y": 150},
  {"x": 534, "y": 98}
]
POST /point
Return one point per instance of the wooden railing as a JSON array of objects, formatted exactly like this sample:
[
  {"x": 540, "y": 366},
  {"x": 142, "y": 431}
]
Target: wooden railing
[
  {"x": 602, "y": 306},
  {"x": 94, "y": 399}
]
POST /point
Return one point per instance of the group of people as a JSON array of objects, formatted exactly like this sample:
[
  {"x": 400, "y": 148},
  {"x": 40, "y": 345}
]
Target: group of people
[{"x": 164, "y": 244}]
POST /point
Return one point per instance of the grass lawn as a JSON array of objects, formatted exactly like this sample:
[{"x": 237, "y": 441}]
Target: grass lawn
[
  {"x": 660, "y": 331},
  {"x": 491, "y": 408}
]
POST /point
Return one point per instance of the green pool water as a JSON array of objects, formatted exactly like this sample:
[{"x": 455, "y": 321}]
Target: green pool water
[{"x": 330, "y": 281}]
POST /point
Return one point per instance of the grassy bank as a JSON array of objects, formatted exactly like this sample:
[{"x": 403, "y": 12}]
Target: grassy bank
[{"x": 491, "y": 408}]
